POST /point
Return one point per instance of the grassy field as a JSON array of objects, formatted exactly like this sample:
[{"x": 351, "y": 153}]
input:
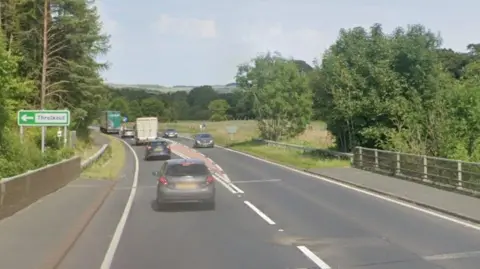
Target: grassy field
[
  {"x": 315, "y": 136},
  {"x": 110, "y": 164}
]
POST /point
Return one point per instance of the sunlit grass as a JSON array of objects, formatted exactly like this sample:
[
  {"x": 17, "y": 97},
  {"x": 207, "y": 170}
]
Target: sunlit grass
[{"x": 110, "y": 165}]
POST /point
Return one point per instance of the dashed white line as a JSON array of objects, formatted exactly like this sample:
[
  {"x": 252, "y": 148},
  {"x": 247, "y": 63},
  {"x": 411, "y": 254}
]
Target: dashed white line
[
  {"x": 371, "y": 194},
  {"x": 260, "y": 213},
  {"x": 314, "y": 258},
  {"x": 112, "y": 248}
]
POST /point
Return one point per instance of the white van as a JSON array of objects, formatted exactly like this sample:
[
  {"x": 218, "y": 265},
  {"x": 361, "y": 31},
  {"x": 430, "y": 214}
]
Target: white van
[{"x": 146, "y": 129}]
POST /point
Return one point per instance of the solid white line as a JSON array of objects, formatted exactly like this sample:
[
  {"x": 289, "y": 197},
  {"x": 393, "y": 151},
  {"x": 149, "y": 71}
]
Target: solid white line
[
  {"x": 378, "y": 196},
  {"x": 452, "y": 256},
  {"x": 225, "y": 184},
  {"x": 256, "y": 181},
  {"x": 112, "y": 248},
  {"x": 315, "y": 259},
  {"x": 236, "y": 188},
  {"x": 260, "y": 213}
]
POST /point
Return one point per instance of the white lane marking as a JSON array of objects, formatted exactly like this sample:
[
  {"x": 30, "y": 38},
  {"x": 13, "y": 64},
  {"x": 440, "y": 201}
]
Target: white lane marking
[
  {"x": 112, "y": 248},
  {"x": 236, "y": 188},
  {"x": 452, "y": 256},
  {"x": 375, "y": 195},
  {"x": 260, "y": 213},
  {"x": 225, "y": 184},
  {"x": 256, "y": 181},
  {"x": 315, "y": 259}
]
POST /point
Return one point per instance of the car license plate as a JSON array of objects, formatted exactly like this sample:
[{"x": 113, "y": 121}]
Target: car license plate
[
  {"x": 186, "y": 186},
  {"x": 158, "y": 150}
]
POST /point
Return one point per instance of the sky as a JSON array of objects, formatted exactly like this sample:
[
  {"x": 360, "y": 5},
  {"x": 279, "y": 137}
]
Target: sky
[{"x": 201, "y": 42}]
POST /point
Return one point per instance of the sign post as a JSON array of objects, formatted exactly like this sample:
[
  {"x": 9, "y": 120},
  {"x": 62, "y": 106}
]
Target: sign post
[
  {"x": 43, "y": 118},
  {"x": 232, "y": 130}
]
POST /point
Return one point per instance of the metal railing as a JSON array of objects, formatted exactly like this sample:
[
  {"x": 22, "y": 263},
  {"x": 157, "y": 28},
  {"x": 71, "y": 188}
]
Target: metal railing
[
  {"x": 448, "y": 173},
  {"x": 92, "y": 159},
  {"x": 313, "y": 150}
]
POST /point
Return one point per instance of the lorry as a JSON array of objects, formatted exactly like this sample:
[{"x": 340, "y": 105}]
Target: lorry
[
  {"x": 146, "y": 129},
  {"x": 110, "y": 122}
]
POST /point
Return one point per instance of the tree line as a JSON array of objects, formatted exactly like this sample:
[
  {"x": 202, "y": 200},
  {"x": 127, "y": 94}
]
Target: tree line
[
  {"x": 48, "y": 52},
  {"x": 397, "y": 91}
]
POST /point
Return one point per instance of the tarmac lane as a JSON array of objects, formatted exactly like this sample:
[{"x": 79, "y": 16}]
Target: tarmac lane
[{"x": 185, "y": 236}]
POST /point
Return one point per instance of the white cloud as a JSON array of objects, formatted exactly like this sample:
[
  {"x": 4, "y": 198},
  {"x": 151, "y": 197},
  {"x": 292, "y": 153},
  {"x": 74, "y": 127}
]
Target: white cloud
[
  {"x": 302, "y": 43},
  {"x": 190, "y": 27}
]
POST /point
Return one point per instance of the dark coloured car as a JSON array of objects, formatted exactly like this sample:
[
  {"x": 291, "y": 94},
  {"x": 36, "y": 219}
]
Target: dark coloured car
[
  {"x": 170, "y": 133},
  {"x": 203, "y": 141},
  {"x": 181, "y": 181},
  {"x": 158, "y": 150}
]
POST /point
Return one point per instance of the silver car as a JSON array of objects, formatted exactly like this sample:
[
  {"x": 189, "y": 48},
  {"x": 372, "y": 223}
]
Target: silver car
[
  {"x": 127, "y": 133},
  {"x": 182, "y": 181}
]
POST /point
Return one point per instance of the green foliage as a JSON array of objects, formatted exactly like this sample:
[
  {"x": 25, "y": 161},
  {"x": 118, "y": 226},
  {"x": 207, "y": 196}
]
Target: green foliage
[
  {"x": 282, "y": 98},
  {"x": 218, "y": 110},
  {"x": 72, "y": 79},
  {"x": 399, "y": 91}
]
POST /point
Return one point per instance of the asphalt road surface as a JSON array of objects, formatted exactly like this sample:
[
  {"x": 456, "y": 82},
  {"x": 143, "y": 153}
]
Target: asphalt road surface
[{"x": 271, "y": 217}]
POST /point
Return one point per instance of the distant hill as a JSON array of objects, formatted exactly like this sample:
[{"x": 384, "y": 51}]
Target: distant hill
[{"x": 151, "y": 87}]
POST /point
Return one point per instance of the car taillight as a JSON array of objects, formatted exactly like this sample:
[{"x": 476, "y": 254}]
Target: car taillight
[
  {"x": 163, "y": 180},
  {"x": 210, "y": 179}
]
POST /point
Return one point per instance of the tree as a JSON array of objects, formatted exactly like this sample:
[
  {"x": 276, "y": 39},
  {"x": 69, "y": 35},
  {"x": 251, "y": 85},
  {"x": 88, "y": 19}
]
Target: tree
[
  {"x": 282, "y": 98},
  {"x": 218, "y": 110},
  {"x": 152, "y": 107},
  {"x": 120, "y": 104}
]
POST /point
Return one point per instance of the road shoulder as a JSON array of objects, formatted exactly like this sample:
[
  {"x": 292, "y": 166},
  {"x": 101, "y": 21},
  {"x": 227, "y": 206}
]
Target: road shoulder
[{"x": 37, "y": 236}]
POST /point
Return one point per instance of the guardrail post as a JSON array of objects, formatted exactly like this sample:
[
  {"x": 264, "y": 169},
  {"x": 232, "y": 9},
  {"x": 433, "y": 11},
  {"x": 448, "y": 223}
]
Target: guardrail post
[
  {"x": 360, "y": 157},
  {"x": 459, "y": 171},
  {"x": 376, "y": 158},
  {"x": 398, "y": 168},
  {"x": 425, "y": 168}
]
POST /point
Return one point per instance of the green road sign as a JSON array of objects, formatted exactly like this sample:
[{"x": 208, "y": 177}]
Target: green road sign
[{"x": 43, "y": 118}]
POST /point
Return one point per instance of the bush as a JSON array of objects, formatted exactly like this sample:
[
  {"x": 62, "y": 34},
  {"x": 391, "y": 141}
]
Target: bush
[{"x": 17, "y": 157}]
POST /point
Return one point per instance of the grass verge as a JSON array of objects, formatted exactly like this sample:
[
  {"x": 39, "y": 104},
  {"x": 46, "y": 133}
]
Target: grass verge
[
  {"x": 294, "y": 158},
  {"x": 110, "y": 164},
  {"x": 86, "y": 148}
]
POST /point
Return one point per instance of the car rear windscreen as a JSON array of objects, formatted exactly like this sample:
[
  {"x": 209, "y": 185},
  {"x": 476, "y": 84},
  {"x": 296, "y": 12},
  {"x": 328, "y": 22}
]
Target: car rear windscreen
[
  {"x": 204, "y": 136},
  {"x": 179, "y": 170}
]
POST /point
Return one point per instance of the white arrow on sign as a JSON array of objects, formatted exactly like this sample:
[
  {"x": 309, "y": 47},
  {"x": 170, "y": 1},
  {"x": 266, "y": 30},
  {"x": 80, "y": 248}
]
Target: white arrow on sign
[{"x": 26, "y": 118}]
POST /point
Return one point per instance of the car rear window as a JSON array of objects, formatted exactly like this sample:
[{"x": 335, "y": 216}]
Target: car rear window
[
  {"x": 204, "y": 136},
  {"x": 178, "y": 170},
  {"x": 159, "y": 144}
]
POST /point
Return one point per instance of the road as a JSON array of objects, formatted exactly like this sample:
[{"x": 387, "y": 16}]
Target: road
[{"x": 274, "y": 218}]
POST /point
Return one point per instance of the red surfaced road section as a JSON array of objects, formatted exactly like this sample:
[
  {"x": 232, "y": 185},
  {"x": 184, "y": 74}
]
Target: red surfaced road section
[{"x": 191, "y": 153}]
